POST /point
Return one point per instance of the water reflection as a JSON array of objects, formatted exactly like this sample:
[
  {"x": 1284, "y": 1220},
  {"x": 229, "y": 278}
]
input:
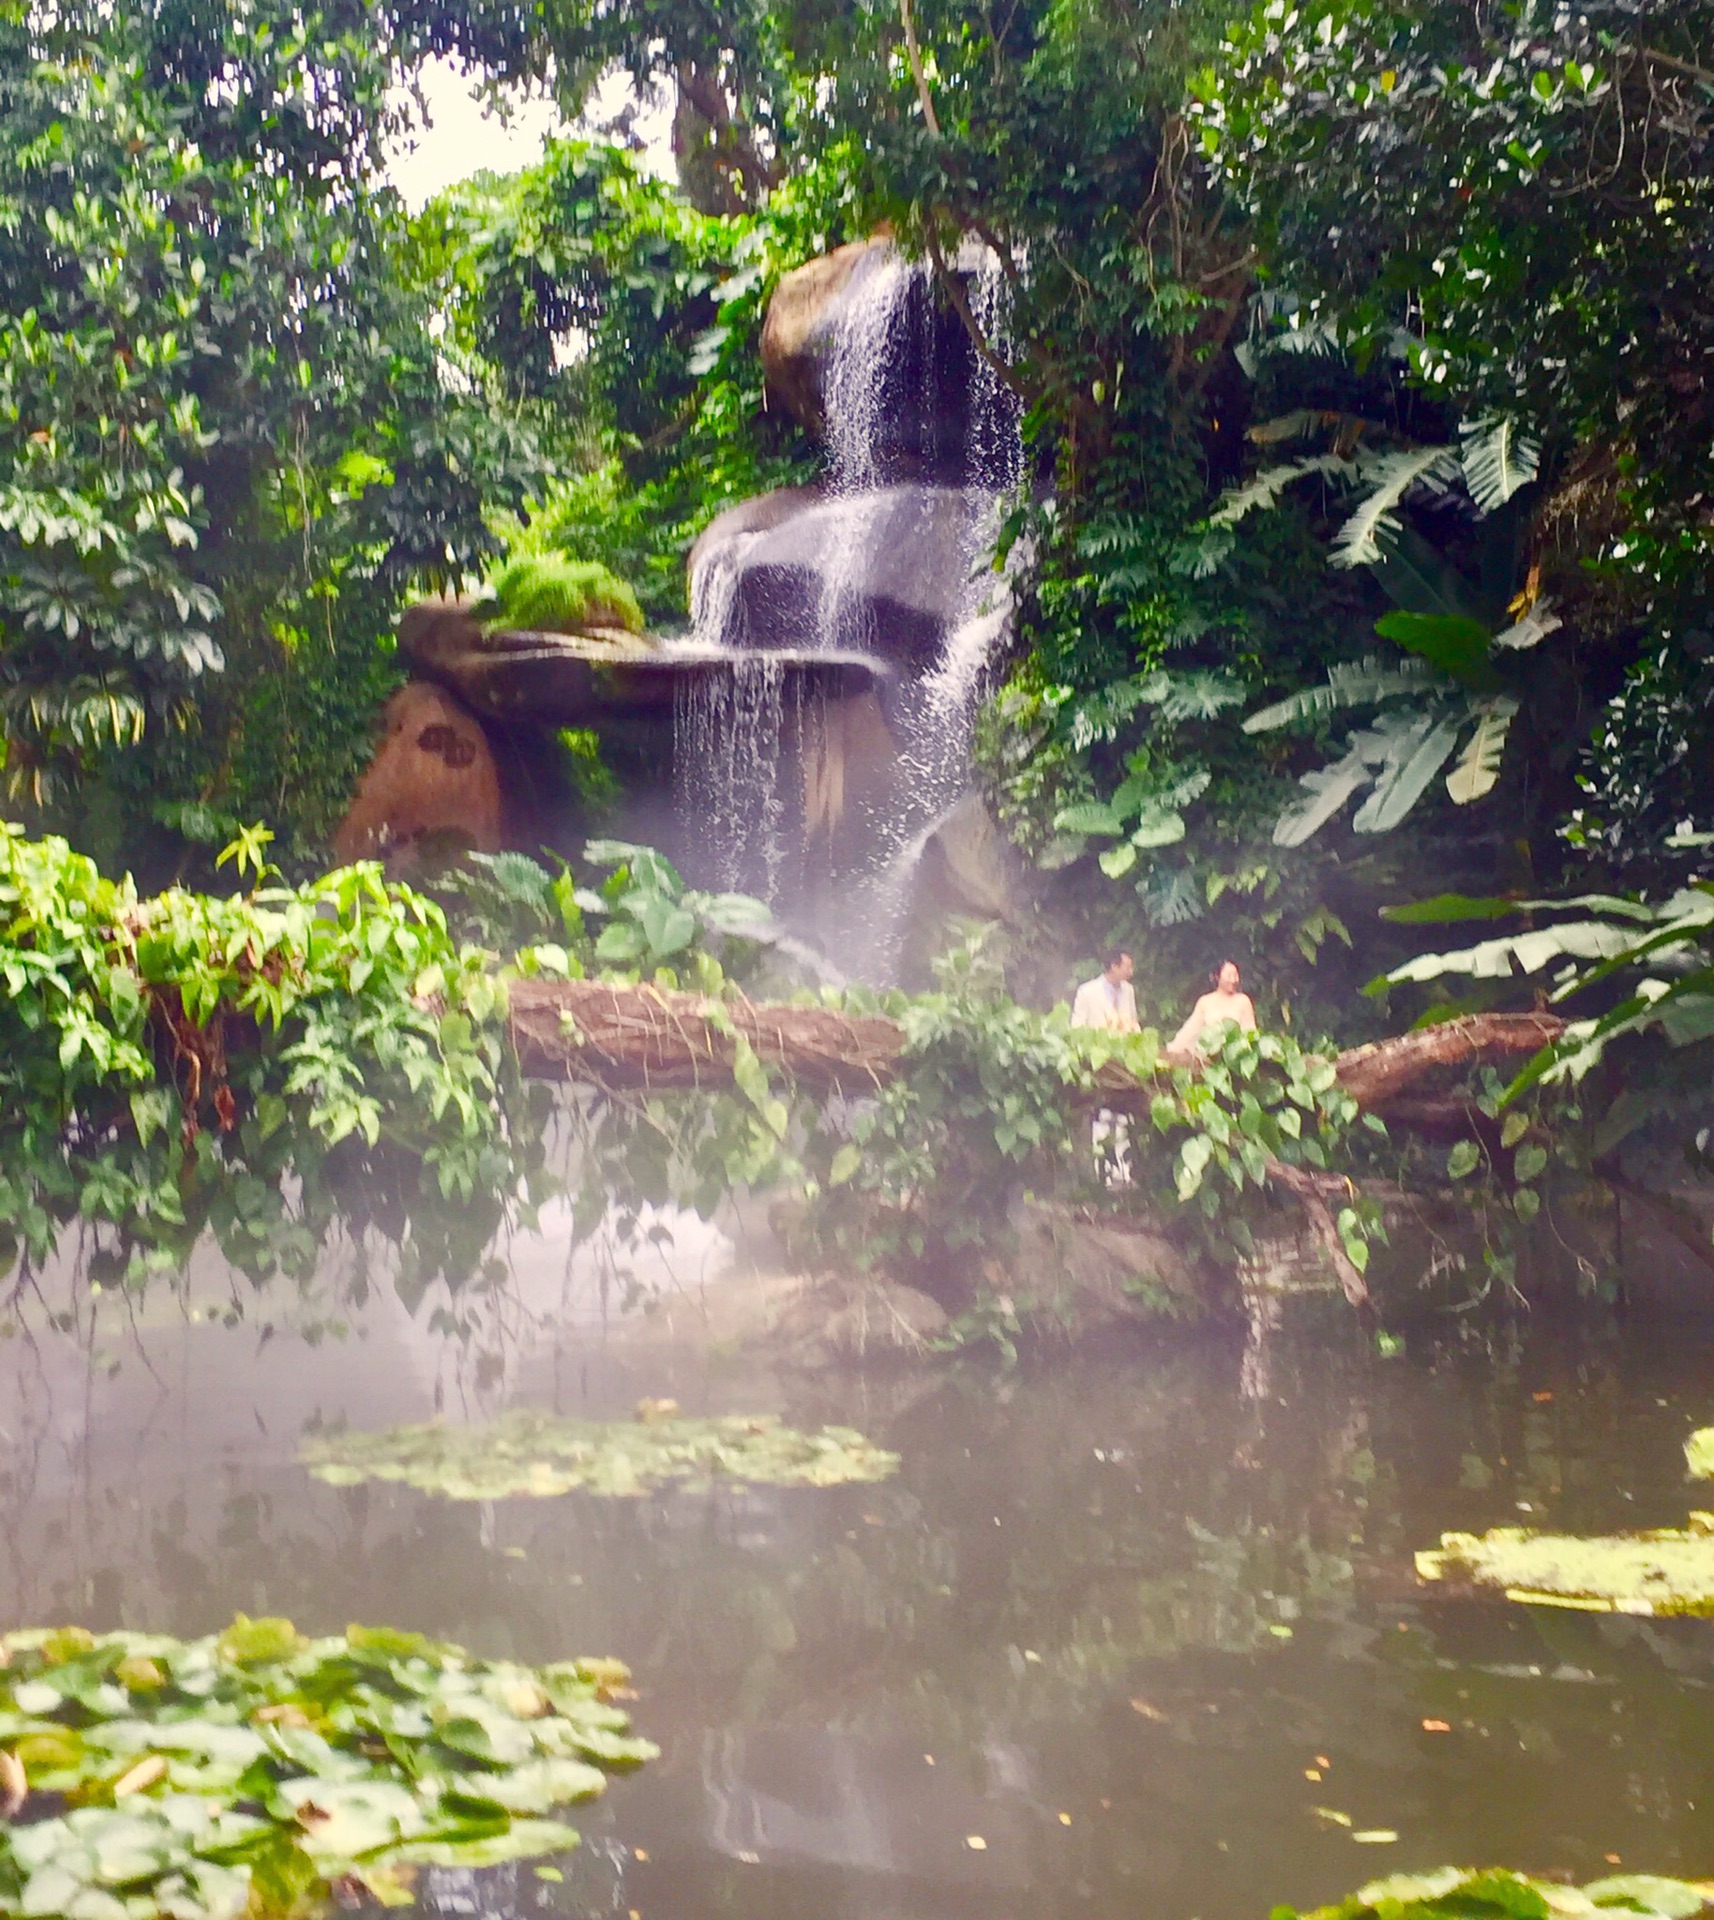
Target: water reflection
[{"x": 1143, "y": 1625}]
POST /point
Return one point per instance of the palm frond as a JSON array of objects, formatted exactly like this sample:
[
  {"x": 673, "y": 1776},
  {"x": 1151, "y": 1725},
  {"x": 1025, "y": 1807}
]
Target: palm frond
[
  {"x": 1390, "y": 477},
  {"x": 1498, "y": 459}
]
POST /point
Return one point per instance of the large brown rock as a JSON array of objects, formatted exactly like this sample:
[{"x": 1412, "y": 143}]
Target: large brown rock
[
  {"x": 800, "y": 321},
  {"x": 860, "y": 333},
  {"x": 433, "y": 778}
]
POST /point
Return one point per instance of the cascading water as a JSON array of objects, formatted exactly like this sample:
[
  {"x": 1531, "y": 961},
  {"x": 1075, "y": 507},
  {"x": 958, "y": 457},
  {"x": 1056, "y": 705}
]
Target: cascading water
[{"x": 920, "y": 450}]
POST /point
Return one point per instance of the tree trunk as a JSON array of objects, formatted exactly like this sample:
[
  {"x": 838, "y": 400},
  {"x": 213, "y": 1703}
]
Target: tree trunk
[{"x": 627, "y": 1038}]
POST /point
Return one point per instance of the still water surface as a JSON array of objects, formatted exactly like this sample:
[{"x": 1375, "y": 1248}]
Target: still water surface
[{"x": 1111, "y": 1619}]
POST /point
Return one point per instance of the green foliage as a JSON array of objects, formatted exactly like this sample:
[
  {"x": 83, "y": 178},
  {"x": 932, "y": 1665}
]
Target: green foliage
[
  {"x": 245, "y": 1771},
  {"x": 206, "y": 518},
  {"x": 657, "y": 413},
  {"x": 257, "y": 1065},
  {"x": 1440, "y": 179},
  {"x": 980, "y": 1111},
  {"x": 547, "y": 593},
  {"x": 1667, "y": 945},
  {"x": 653, "y": 919},
  {"x": 533, "y": 1454}
]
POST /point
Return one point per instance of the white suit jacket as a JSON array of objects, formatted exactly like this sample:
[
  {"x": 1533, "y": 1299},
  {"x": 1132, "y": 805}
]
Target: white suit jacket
[{"x": 1095, "y": 1007}]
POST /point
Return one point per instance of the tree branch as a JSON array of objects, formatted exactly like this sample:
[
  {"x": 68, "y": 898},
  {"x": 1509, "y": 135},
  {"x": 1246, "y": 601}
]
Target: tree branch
[
  {"x": 954, "y": 289},
  {"x": 914, "y": 54}
]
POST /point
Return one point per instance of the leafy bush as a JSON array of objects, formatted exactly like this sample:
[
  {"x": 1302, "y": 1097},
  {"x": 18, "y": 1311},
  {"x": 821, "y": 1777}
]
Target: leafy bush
[{"x": 188, "y": 1061}]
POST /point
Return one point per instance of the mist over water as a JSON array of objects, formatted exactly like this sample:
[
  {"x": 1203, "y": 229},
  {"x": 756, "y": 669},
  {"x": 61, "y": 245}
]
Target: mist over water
[{"x": 1143, "y": 1622}]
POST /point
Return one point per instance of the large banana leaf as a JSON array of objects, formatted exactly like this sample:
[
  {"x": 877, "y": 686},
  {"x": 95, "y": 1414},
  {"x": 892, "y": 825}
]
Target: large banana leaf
[
  {"x": 1521, "y": 952},
  {"x": 1478, "y": 765},
  {"x": 1264, "y": 489},
  {"x": 1416, "y": 751},
  {"x": 1452, "y": 642},
  {"x": 1357, "y": 683},
  {"x": 1325, "y": 791},
  {"x": 1390, "y": 477}
]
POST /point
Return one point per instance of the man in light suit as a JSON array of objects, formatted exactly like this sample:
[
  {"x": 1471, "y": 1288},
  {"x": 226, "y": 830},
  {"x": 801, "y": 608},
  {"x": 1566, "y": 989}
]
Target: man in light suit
[{"x": 1109, "y": 1001}]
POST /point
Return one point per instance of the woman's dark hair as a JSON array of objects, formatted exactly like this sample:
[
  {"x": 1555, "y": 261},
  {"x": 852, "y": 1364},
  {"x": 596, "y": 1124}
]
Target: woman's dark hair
[{"x": 1214, "y": 977}]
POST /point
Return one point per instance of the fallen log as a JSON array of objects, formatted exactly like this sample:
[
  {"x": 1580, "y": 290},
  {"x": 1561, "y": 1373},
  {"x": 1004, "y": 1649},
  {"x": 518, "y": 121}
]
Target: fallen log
[
  {"x": 644, "y": 1038},
  {"x": 1387, "y": 1070}
]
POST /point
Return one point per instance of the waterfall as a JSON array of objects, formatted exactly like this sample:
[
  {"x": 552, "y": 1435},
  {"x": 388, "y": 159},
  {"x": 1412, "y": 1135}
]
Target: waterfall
[
  {"x": 730, "y": 732},
  {"x": 836, "y": 850},
  {"x": 865, "y": 351}
]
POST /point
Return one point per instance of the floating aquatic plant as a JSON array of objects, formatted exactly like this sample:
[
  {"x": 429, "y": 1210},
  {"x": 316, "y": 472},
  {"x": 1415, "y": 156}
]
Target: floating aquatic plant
[
  {"x": 1699, "y": 1454},
  {"x": 530, "y": 1453},
  {"x": 1669, "y": 1570},
  {"x": 199, "y": 1779},
  {"x": 1461, "y": 1893}
]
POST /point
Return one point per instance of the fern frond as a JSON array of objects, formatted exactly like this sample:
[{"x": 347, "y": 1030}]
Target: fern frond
[
  {"x": 1478, "y": 765},
  {"x": 1390, "y": 476},
  {"x": 1498, "y": 459},
  {"x": 1199, "y": 695},
  {"x": 1358, "y": 683}
]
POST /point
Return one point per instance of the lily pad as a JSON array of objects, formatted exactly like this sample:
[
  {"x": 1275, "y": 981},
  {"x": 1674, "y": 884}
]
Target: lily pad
[
  {"x": 1492, "y": 1893},
  {"x": 1666, "y": 1571},
  {"x": 534, "y": 1455},
  {"x": 353, "y": 1756},
  {"x": 1648, "y": 1893}
]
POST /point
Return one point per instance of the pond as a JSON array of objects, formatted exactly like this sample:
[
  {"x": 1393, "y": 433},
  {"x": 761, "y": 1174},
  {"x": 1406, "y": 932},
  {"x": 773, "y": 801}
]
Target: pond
[{"x": 1130, "y": 1632}]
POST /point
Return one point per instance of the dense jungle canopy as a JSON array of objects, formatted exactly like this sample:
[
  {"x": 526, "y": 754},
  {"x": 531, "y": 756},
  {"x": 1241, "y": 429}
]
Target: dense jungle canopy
[{"x": 1366, "y": 353}]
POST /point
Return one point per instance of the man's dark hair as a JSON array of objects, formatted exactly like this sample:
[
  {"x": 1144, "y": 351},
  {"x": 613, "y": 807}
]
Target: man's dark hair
[{"x": 1116, "y": 956}]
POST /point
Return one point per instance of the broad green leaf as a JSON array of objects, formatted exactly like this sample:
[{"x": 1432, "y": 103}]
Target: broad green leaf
[{"x": 1455, "y": 644}]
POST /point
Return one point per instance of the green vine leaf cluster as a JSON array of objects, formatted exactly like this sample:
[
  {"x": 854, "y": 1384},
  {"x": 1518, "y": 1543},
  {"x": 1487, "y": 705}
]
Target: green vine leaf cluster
[{"x": 168, "y": 1062}]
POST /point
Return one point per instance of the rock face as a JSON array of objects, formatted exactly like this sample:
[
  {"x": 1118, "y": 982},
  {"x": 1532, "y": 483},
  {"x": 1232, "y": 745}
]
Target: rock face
[
  {"x": 858, "y": 319},
  {"x": 433, "y": 779},
  {"x": 884, "y": 571},
  {"x": 577, "y": 679},
  {"x": 799, "y": 324}
]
